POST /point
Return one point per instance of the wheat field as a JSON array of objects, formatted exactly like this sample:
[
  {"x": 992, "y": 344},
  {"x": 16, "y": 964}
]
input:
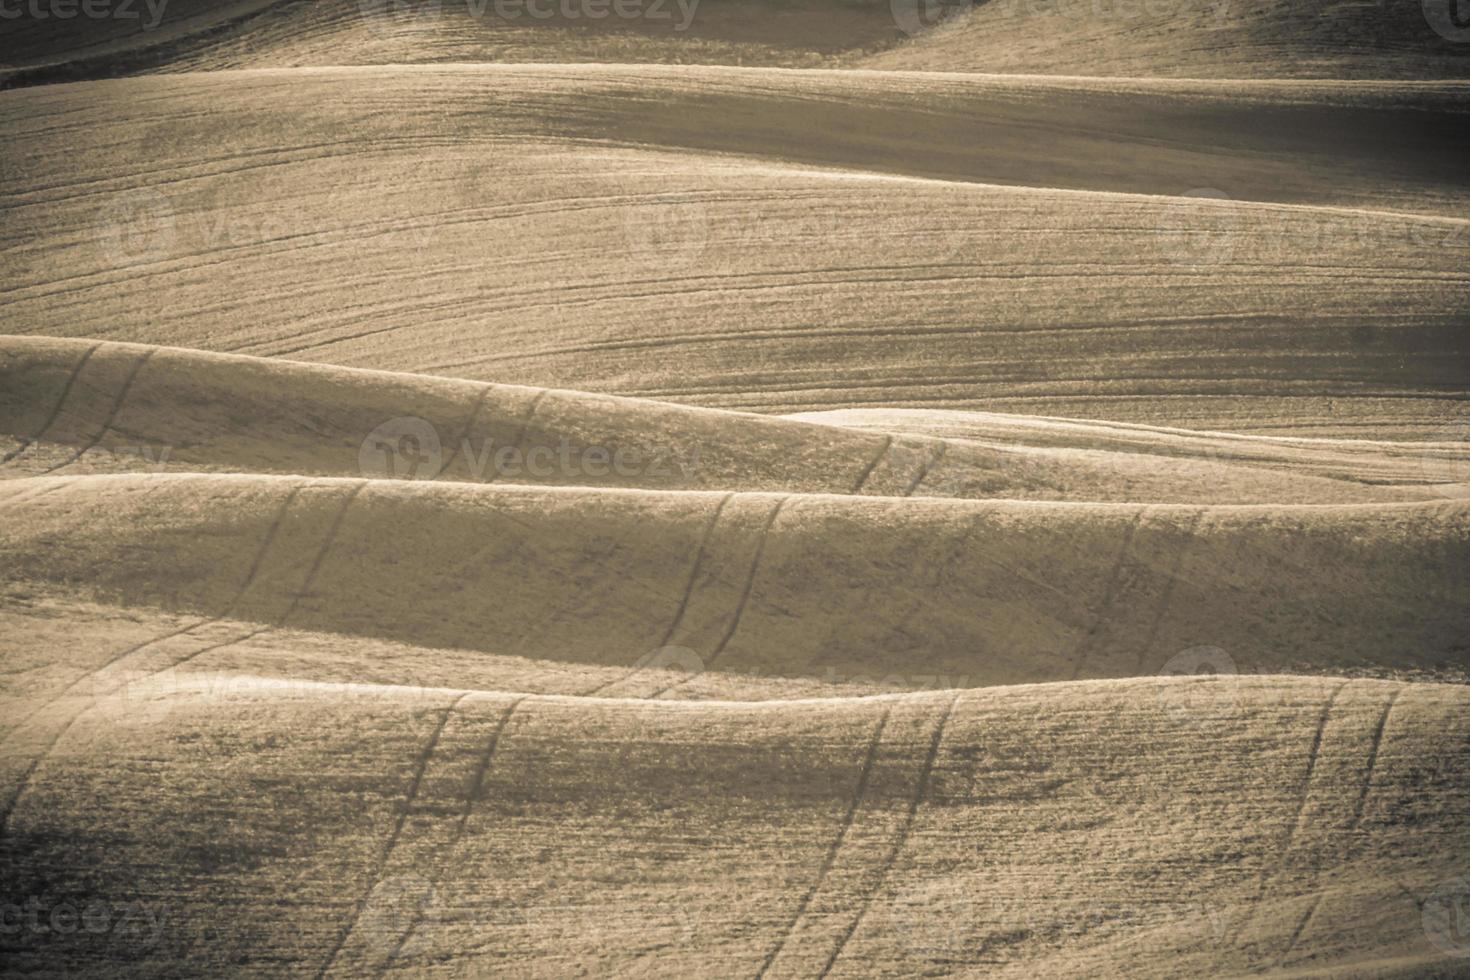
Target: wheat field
[{"x": 683, "y": 488}]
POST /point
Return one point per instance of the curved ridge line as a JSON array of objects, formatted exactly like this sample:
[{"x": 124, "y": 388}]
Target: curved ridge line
[
  {"x": 683, "y": 605},
  {"x": 694, "y": 569},
  {"x": 902, "y": 839},
  {"x": 755, "y": 564},
  {"x": 477, "y": 783},
  {"x": 31, "y": 494},
  {"x": 1301, "y": 927},
  {"x": 525, "y": 426},
  {"x": 321, "y": 555},
  {"x": 420, "y": 767},
  {"x": 831, "y": 857},
  {"x": 1110, "y": 594},
  {"x": 464, "y": 434},
  {"x": 71, "y": 378},
  {"x": 929, "y": 464},
  {"x": 24, "y": 782},
  {"x": 1302, "y": 794},
  {"x": 769, "y": 162},
  {"x": 117, "y": 405},
  {"x": 1313, "y": 753},
  {"x": 311, "y": 577},
  {"x": 1375, "y": 745},
  {"x": 868, "y": 470},
  {"x": 1167, "y": 599}
]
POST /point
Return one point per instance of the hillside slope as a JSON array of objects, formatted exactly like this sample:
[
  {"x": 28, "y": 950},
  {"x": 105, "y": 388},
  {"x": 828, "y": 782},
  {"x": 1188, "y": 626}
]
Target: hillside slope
[
  {"x": 775, "y": 488},
  {"x": 650, "y": 232},
  {"x": 772, "y": 585},
  {"x": 79, "y": 407},
  {"x": 1415, "y": 39},
  {"x": 1410, "y": 39},
  {"x": 1292, "y": 824}
]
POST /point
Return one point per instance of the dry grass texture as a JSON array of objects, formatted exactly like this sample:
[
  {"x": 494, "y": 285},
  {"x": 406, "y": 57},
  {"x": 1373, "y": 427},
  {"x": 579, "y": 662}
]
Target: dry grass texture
[{"x": 781, "y": 499}]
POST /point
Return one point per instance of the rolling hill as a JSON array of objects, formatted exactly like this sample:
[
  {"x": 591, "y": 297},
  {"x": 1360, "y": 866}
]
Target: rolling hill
[
  {"x": 646, "y": 232},
  {"x": 1409, "y": 39},
  {"x": 818, "y": 488}
]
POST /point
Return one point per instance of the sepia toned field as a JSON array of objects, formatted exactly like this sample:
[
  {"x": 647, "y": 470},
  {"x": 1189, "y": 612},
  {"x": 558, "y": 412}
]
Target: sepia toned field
[{"x": 825, "y": 489}]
